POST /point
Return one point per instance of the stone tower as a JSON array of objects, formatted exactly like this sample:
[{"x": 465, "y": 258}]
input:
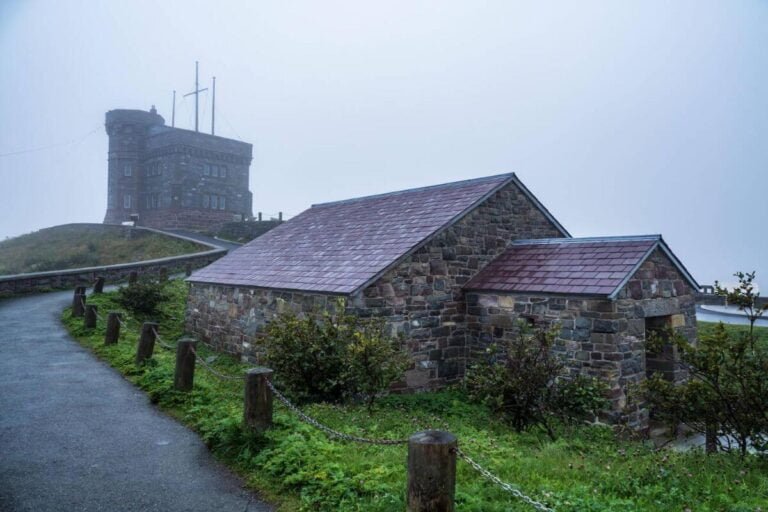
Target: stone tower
[{"x": 174, "y": 178}]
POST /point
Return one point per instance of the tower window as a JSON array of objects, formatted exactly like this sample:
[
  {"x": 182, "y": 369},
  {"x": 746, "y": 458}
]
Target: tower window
[
  {"x": 214, "y": 202},
  {"x": 222, "y": 203},
  {"x": 206, "y": 200},
  {"x": 127, "y": 201},
  {"x": 127, "y": 170}
]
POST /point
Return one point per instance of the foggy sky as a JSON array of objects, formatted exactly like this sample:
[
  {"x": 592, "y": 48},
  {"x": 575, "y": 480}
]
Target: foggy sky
[{"x": 623, "y": 118}]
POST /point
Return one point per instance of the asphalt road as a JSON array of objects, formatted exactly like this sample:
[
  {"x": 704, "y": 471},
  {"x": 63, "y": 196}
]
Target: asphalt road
[
  {"x": 229, "y": 246},
  {"x": 76, "y": 436}
]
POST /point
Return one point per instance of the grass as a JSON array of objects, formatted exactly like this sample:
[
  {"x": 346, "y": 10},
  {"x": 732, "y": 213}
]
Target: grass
[
  {"x": 299, "y": 468},
  {"x": 86, "y": 245},
  {"x": 708, "y": 328}
]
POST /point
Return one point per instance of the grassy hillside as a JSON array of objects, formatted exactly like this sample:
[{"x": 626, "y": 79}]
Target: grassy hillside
[{"x": 86, "y": 245}]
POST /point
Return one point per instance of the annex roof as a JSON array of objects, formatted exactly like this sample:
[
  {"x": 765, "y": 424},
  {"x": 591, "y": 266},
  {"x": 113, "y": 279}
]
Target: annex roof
[
  {"x": 572, "y": 266},
  {"x": 342, "y": 246}
]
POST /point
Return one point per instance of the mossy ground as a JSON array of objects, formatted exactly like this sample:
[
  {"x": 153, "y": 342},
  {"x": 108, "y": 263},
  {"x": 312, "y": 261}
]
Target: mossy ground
[{"x": 299, "y": 468}]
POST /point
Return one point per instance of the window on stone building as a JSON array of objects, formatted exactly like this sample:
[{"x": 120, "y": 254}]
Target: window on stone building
[
  {"x": 206, "y": 200},
  {"x": 127, "y": 170},
  {"x": 206, "y": 170},
  {"x": 223, "y": 171},
  {"x": 222, "y": 203},
  {"x": 214, "y": 202},
  {"x": 127, "y": 201}
]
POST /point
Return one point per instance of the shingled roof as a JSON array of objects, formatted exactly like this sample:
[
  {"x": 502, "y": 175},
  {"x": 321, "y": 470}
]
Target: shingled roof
[
  {"x": 572, "y": 266},
  {"x": 342, "y": 246}
]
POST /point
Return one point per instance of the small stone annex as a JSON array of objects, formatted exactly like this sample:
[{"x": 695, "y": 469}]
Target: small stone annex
[{"x": 451, "y": 267}]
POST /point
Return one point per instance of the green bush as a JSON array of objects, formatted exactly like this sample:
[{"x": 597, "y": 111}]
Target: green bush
[
  {"x": 526, "y": 384},
  {"x": 331, "y": 356},
  {"x": 143, "y": 297}
]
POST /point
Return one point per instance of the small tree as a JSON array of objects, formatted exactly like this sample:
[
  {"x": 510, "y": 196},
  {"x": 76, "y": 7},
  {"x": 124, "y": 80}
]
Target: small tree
[
  {"x": 525, "y": 382},
  {"x": 143, "y": 297},
  {"x": 727, "y": 390},
  {"x": 744, "y": 297}
]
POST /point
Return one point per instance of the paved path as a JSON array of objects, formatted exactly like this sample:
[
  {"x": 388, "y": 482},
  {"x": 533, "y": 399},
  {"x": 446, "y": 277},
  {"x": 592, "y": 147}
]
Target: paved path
[
  {"x": 229, "y": 246},
  {"x": 76, "y": 436}
]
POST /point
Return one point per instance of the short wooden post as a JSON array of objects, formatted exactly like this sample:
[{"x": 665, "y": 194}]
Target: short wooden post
[
  {"x": 79, "y": 290},
  {"x": 188, "y": 269},
  {"x": 163, "y": 274},
  {"x": 98, "y": 286},
  {"x": 113, "y": 328},
  {"x": 146, "y": 342},
  {"x": 184, "y": 376},
  {"x": 78, "y": 305},
  {"x": 133, "y": 276},
  {"x": 258, "y": 399},
  {"x": 710, "y": 438},
  {"x": 431, "y": 471},
  {"x": 90, "y": 316}
]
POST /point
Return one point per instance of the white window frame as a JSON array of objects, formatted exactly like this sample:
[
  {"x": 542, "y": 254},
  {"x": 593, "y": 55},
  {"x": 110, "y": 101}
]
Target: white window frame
[{"x": 127, "y": 202}]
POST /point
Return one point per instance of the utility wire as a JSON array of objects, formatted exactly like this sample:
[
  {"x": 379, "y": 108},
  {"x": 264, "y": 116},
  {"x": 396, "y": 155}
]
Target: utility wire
[{"x": 73, "y": 142}]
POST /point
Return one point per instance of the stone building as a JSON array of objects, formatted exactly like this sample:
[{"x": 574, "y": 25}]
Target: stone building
[
  {"x": 173, "y": 178},
  {"x": 438, "y": 263}
]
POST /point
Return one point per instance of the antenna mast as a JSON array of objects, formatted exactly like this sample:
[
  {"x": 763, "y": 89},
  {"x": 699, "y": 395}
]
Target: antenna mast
[
  {"x": 213, "y": 108},
  {"x": 196, "y": 92}
]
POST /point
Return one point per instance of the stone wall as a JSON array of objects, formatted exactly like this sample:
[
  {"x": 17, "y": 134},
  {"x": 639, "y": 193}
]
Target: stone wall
[
  {"x": 598, "y": 337},
  {"x": 422, "y": 297},
  {"x": 232, "y": 319}
]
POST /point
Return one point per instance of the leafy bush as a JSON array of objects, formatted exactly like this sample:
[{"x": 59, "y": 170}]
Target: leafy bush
[
  {"x": 525, "y": 382},
  {"x": 331, "y": 356},
  {"x": 143, "y": 297},
  {"x": 727, "y": 392}
]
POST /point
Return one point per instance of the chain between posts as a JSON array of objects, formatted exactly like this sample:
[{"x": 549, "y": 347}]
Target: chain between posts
[
  {"x": 160, "y": 341},
  {"x": 328, "y": 430},
  {"x": 212, "y": 370},
  {"x": 507, "y": 487}
]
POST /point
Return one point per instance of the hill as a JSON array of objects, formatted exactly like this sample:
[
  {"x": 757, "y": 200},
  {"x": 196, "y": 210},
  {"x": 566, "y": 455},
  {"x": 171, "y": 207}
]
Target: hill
[{"x": 86, "y": 245}]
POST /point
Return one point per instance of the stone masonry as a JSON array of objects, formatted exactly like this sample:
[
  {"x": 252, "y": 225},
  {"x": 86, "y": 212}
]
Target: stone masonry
[
  {"x": 598, "y": 337},
  {"x": 173, "y": 178}
]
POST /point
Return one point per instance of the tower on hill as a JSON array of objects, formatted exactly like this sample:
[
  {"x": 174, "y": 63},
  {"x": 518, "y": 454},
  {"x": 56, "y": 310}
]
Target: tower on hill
[{"x": 171, "y": 177}]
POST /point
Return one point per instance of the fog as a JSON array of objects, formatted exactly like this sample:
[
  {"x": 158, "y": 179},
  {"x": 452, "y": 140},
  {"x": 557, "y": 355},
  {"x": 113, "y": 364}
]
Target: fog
[{"x": 650, "y": 117}]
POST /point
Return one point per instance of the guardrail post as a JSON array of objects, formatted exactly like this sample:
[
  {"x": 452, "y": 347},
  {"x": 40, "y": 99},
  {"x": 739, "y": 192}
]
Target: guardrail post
[
  {"x": 133, "y": 276},
  {"x": 113, "y": 328},
  {"x": 431, "y": 471},
  {"x": 79, "y": 290},
  {"x": 188, "y": 269},
  {"x": 258, "y": 399},
  {"x": 78, "y": 305},
  {"x": 98, "y": 286},
  {"x": 90, "y": 316},
  {"x": 184, "y": 376},
  {"x": 163, "y": 274},
  {"x": 146, "y": 342}
]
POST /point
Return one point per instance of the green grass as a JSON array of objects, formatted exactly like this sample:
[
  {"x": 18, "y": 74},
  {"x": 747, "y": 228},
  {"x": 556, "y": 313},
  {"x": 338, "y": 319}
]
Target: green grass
[
  {"x": 707, "y": 328},
  {"x": 298, "y": 467},
  {"x": 86, "y": 245}
]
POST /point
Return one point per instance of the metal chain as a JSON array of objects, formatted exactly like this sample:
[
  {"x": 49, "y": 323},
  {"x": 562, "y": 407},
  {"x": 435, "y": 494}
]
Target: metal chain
[
  {"x": 159, "y": 339},
  {"x": 507, "y": 487},
  {"x": 329, "y": 430},
  {"x": 213, "y": 371}
]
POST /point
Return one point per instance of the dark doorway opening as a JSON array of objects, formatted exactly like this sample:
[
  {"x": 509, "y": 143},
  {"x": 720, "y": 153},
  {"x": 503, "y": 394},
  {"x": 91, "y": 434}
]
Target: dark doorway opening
[{"x": 662, "y": 362}]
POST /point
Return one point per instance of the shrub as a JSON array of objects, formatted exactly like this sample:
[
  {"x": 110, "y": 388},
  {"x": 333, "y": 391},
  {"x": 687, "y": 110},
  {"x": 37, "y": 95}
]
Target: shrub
[
  {"x": 727, "y": 392},
  {"x": 331, "y": 356},
  {"x": 526, "y": 384},
  {"x": 142, "y": 297}
]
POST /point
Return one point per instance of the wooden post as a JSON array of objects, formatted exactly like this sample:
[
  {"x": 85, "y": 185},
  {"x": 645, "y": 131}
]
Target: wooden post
[
  {"x": 163, "y": 274},
  {"x": 258, "y": 399},
  {"x": 431, "y": 471},
  {"x": 188, "y": 269},
  {"x": 710, "y": 438},
  {"x": 98, "y": 286},
  {"x": 90, "y": 316},
  {"x": 79, "y": 290},
  {"x": 113, "y": 328},
  {"x": 78, "y": 305},
  {"x": 133, "y": 276},
  {"x": 146, "y": 342},
  {"x": 184, "y": 376}
]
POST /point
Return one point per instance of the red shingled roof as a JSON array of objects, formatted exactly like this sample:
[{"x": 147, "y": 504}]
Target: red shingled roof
[
  {"x": 339, "y": 247},
  {"x": 588, "y": 266}
]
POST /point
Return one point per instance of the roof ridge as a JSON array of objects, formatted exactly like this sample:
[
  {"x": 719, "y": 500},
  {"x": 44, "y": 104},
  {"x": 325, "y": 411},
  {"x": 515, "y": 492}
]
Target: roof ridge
[
  {"x": 626, "y": 238},
  {"x": 482, "y": 179}
]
